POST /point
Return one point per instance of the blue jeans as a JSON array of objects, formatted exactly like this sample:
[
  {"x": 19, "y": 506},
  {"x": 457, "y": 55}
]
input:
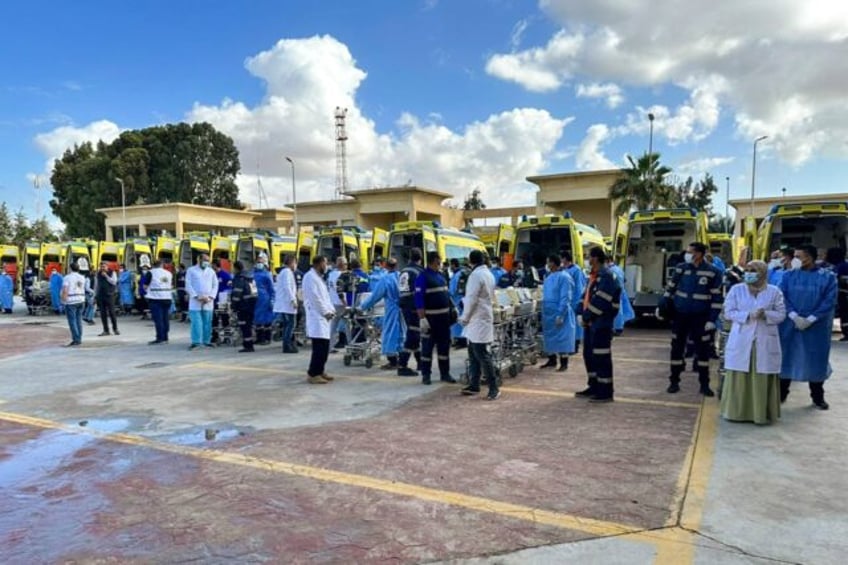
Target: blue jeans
[
  {"x": 288, "y": 330},
  {"x": 159, "y": 311},
  {"x": 74, "y": 314},
  {"x": 201, "y": 326}
]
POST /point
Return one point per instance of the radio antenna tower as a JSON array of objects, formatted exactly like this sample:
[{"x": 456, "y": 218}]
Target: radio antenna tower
[
  {"x": 263, "y": 198},
  {"x": 341, "y": 153}
]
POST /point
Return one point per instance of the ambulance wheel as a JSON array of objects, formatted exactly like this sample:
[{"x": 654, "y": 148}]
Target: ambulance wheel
[
  {"x": 347, "y": 360},
  {"x": 369, "y": 363},
  {"x": 513, "y": 371}
]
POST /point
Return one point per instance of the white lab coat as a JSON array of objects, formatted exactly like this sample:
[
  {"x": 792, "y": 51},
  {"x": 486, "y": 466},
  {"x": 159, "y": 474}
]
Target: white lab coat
[
  {"x": 737, "y": 307},
  {"x": 477, "y": 314},
  {"x": 316, "y": 301},
  {"x": 285, "y": 293},
  {"x": 201, "y": 282}
]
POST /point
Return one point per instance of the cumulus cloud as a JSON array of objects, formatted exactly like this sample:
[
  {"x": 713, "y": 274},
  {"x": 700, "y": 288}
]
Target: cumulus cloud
[
  {"x": 306, "y": 79},
  {"x": 610, "y": 92},
  {"x": 775, "y": 64},
  {"x": 590, "y": 156},
  {"x": 53, "y": 144}
]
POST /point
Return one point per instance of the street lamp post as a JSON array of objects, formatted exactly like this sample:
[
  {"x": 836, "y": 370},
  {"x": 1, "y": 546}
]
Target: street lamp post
[
  {"x": 123, "y": 206},
  {"x": 651, "y": 137},
  {"x": 727, "y": 206},
  {"x": 754, "y": 171},
  {"x": 294, "y": 194}
]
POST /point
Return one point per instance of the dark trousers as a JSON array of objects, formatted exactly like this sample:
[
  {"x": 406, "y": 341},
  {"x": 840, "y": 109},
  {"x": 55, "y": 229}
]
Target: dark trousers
[
  {"x": 160, "y": 312},
  {"x": 182, "y": 303},
  {"x": 288, "y": 330},
  {"x": 842, "y": 304},
  {"x": 245, "y": 324},
  {"x": 480, "y": 361},
  {"x": 412, "y": 341},
  {"x": 141, "y": 305},
  {"x": 106, "y": 305},
  {"x": 320, "y": 352},
  {"x": 683, "y": 328},
  {"x": 816, "y": 389},
  {"x": 597, "y": 355},
  {"x": 439, "y": 338}
]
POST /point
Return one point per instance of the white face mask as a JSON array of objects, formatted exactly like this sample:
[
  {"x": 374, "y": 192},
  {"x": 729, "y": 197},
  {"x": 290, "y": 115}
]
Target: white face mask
[
  {"x": 796, "y": 264},
  {"x": 587, "y": 265},
  {"x": 774, "y": 264},
  {"x": 688, "y": 257}
]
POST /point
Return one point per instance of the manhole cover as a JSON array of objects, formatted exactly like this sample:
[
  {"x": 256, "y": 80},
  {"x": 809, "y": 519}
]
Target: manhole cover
[{"x": 152, "y": 365}]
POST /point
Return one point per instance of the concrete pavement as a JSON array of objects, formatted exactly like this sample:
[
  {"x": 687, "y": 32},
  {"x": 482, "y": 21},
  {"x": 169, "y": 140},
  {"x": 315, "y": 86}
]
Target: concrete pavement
[{"x": 120, "y": 450}]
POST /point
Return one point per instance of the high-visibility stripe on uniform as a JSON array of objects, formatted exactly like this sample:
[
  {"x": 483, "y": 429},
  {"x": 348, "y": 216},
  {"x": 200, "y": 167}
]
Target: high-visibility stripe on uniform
[
  {"x": 715, "y": 290},
  {"x": 604, "y": 351},
  {"x": 437, "y": 311},
  {"x": 701, "y": 297},
  {"x": 706, "y": 337},
  {"x": 595, "y": 310},
  {"x": 604, "y": 295},
  {"x": 443, "y": 358},
  {"x": 604, "y": 380},
  {"x": 717, "y": 306},
  {"x": 680, "y": 362},
  {"x": 681, "y": 294},
  {"x": 705, "y": 273},
  {"x": 436, "y": 289}
]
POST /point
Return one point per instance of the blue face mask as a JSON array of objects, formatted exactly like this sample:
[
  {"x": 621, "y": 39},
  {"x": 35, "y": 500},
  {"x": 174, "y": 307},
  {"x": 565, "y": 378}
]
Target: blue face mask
[
  {"x": 260, "y": 266},
  {"x": 751, "y": 278}
]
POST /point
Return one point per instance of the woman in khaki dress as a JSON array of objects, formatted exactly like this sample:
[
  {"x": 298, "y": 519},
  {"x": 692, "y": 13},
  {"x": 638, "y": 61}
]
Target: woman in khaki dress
[{"x": 751, "y": 390}]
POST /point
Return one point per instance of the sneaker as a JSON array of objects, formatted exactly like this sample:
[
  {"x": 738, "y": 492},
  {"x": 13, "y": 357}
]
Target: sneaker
[
  {"x": 333, "y": 351},
  {"x": 246, "y": 350},
  {"x": 844, "y": 338},
  {"x": 101, "y": 334},
  {"x": 551, "y": 364},
  {"x": 493, "y": 396},
  {"x": 155, "y": 342},
  {"x": 388, "y": 367},
  {"x": 707, "y": 391},
  {"x": 212, "y": 345},
  {"x": 448, "y": 379},
  {"x": 328, "y": 378},
  {"x": 317, "y": 380},
  {"x": 821, "y": 404},
  {"x": 117, "y": 332},
  {"x": 585, "y": 393},
  {"x": 72, "y": 344},
  {"x": 597, "y": 399},
  {"x": 468, "y": 391},
  {"x": 673, "y": 388},
  {"x": 426, "y": 380},
  {"x": 193, "y": 346},
  {"x": 407, "y": 372}
]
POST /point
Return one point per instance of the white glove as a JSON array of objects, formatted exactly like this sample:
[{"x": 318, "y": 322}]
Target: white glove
[
  {"x": 463, "y": 322},
  {"x": 330, "y": 315},
  {"x": 801, "y": 323},
  {"x": 657, "y": 314},
  {"x": 792, "y": 315},
  {"x": 424, "y": 324},
  {"x": 812, "y": 319},
  {"x": 580, "y": 320},
  {"x": 559, "y": 321},
  {"x": 709, "y": 326}
]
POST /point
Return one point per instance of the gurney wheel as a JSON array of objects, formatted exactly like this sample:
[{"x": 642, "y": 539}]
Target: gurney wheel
[
  {"x": 513, "y": 371},
  {"x": 347, "y": 359},
  {"x": 533, "y": 360},
  {"x": 369, "y": 363}
]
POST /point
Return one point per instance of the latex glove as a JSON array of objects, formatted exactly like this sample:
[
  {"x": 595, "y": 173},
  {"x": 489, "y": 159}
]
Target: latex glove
[
  {"x": 463, "y": 322},
  {"x": 792, "y": 316},
  {"x": 580, "y": 321},
  {"x": 801, "y": 323},
  {"x": 812, "y": 319},
  {"x": 709, "y": 326},
  {"x": 758, "y": 314},
  {"x": 330, "y": 315},
  {"x": 657, "y": 314},
  {"x": 559, "y": 321},
  {"x": 424, "y": 324}
]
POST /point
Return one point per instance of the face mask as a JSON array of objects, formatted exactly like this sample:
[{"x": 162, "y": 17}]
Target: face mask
[
  {"x": 774, "y": 264},
  {"x": 204, "y": 264},
  {"x": 688, "y": 257},
  {"x": 587, "y": 265},
  {"x": 519, "y": 274},
  {"x": 796, "y": 264},
  {"x": 260, "y": 266},
  {"x": 751, "y": 278}
]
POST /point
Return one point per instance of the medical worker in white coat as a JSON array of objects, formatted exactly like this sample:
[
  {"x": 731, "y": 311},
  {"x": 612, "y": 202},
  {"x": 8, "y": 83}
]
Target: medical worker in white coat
[
  {"x": 752, "y": 355},
  {"x": 319, "y": 312},
  {"x": 478, "y": 321}
]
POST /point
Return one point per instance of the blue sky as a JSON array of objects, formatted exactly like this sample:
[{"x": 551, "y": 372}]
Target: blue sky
[{"x": 452, "y": 95}]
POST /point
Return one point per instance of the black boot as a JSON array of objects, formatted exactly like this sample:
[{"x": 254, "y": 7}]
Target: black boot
[
  {"x": 589, "y": 390},
  {"x": 552, "y": 363},
  {"x": 817, "y": 394},
  {"x": 563, "y": 363},
  {"x": 577, "y": 347},
  {"x": 784, "y": 389}
]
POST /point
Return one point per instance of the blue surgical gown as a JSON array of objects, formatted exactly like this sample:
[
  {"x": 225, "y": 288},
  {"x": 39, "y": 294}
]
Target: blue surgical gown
[
  {"x": 393, "y": 328},
  {"x": 557, "y": 296}
]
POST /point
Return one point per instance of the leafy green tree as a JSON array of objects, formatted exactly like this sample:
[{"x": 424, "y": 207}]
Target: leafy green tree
[
  {"x": 473, "y": 201},
  {"x": 721, "y": 224},
  {"x": 643, "y": 185},
  {"x": 171, "y": 163},
  {"x": 7, "y": 232},
  {"x": 21, "y": 230},
  {"x": 698, "y": 195}
]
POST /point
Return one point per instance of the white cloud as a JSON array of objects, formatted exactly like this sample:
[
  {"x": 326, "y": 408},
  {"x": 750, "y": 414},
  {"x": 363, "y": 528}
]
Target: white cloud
[
  {"x": 590, "y": 156},
  {"x": 307, "y": 78},
  {"x": 699, "y": 167},
  {"x": 518, "y": 33},
  {"x": 610, "y": 92},
  {"x": 53, "y": 144},
  {"x": 777, "y": 64}
]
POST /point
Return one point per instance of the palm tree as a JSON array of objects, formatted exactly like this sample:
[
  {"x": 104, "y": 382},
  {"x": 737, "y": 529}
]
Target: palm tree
[{"x": 643, "y": 185}]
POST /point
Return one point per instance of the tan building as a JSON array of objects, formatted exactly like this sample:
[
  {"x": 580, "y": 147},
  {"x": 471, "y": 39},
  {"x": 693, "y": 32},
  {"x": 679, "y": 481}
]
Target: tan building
[
  {"x": 584, "y": 194},
  {"x": 761, "y": 206},
  {"x": 380, "y": 207}
]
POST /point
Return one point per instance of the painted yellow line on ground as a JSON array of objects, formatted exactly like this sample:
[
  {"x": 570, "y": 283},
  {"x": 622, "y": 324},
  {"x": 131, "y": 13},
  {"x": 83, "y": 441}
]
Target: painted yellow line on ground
[
  {"x": 475, "y": 503},
  {"x": 679, "y": 547},
  {"x": 570, "y": 395}
]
